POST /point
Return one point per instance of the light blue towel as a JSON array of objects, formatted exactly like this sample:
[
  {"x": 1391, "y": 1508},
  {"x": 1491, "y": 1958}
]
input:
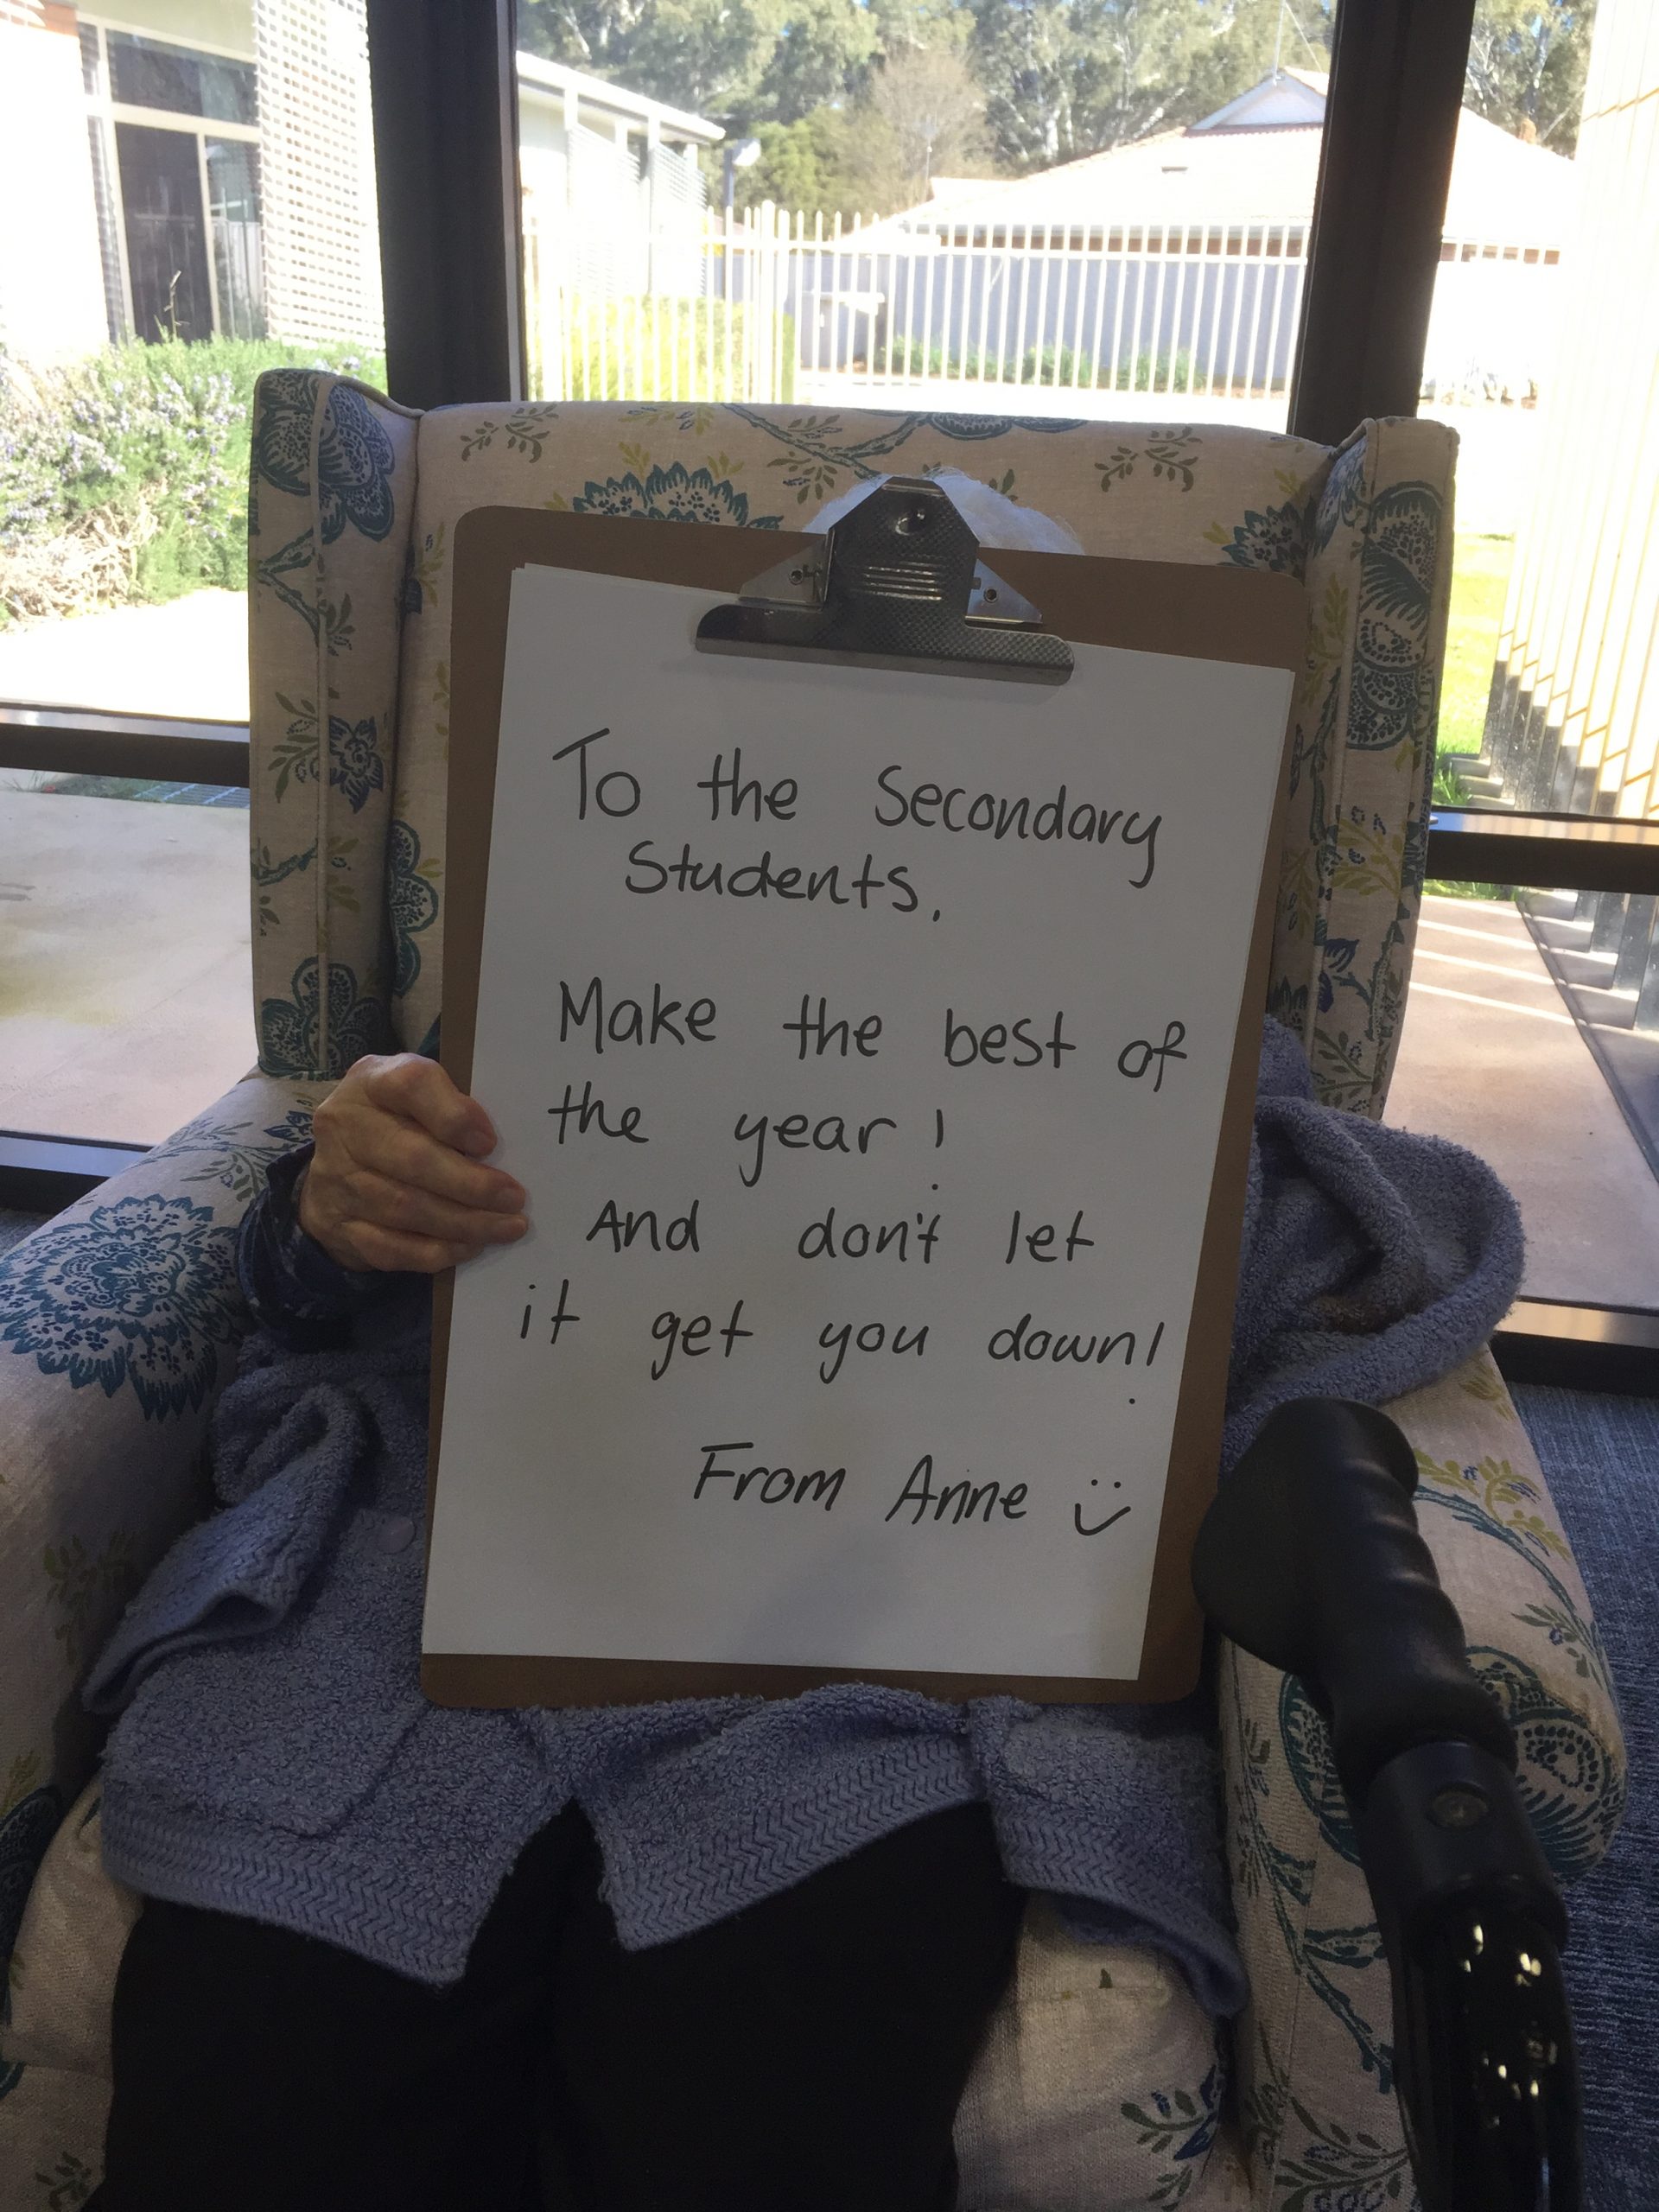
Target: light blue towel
[{"x": 275, "y": 1758}]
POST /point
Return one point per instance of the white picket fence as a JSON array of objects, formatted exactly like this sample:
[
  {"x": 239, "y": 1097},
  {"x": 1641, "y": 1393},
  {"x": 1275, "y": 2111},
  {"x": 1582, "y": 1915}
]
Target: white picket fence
[{"x": 1137, "y": 317}]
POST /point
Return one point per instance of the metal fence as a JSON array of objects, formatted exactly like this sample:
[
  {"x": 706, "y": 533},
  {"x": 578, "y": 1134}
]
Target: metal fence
[
  {"x": 768, "y": 305},
  {"x": 694, "y": 309},
  {"x": 774, "y": 305},
  {"x": 1193, "y": 310}
]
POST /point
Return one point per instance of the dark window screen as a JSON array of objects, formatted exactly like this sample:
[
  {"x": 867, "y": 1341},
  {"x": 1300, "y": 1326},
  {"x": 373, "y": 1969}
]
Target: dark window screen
[
  {"x": 167, "y": 245},
  {"x": 145, "y": 73}
]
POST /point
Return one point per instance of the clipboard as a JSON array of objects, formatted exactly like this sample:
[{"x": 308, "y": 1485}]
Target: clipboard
[{"x": 1256, "y": 617}]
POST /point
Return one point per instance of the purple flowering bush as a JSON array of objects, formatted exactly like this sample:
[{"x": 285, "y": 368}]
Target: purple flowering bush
[{"x": 124, "y": 476}]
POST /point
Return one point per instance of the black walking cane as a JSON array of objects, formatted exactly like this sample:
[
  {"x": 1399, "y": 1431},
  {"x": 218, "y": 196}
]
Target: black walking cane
[{"x": 1311, "y": 1559}]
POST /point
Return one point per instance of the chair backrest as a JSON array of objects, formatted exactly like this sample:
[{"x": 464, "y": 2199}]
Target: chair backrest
[{"x": 353, "y": 522}]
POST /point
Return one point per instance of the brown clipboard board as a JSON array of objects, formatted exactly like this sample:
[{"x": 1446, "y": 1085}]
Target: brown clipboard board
[{"x": 1256, "y": 617}]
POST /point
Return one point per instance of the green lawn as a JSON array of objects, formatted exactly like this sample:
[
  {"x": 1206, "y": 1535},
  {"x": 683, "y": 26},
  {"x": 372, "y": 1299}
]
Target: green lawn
[{"x": 1480, "y": 576}]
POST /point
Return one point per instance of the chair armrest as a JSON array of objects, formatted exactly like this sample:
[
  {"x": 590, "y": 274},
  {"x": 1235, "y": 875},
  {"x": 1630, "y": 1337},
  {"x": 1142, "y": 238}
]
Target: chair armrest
[
  {"x": 1314, "y": 2050},
  {"x": 119, "y": 1321}
]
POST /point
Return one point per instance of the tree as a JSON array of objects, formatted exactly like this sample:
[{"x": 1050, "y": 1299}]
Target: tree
[
  {"x": 1066, "y": 78},
  {"x": 1527, "y": 64},
  {"x": 1239, "y": 45},
  {"x": 820, "y": 55},
  {"x": 737, "y": 60},
  {"x": 707, "y": 55},
  {"x": 922, "y": 115},
  {"x": 807, "y": 164},
  {"x": 907, "y": 23}
]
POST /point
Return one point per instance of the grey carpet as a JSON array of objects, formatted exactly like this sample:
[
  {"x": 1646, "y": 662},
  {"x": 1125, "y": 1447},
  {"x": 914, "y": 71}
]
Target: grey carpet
[{"x": 1600, "y": 1457}]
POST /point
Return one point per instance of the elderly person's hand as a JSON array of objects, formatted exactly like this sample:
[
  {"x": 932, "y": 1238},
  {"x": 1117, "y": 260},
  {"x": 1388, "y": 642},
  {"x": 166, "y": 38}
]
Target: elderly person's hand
[{"x": 398, "y": 1180}]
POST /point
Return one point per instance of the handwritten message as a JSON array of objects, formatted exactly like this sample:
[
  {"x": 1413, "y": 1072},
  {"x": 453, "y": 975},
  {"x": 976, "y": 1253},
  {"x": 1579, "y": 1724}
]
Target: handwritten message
[{"x": 861, "y": 1039}]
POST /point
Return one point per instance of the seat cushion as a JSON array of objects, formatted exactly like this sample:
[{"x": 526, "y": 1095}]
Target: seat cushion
[{"x": 1100, "y": 2084}]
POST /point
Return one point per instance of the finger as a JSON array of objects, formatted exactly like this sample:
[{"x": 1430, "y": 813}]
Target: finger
[
  {"x": 389, "y": 1250},
  {"x": 404, "y": 1154},
  {"x": 420, "y": 1091},
  {"x": 402, "y": 1207}
]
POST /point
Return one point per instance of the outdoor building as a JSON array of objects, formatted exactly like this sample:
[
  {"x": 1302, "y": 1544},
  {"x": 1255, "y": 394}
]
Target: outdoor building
[
  {"x": 196, "y": 170},
  {"x": 1227, "y": 205},
  {"x": 1161, "y": 273},
  {"x": 213, "y": 170},
  {"x": 612, "y": 209}
]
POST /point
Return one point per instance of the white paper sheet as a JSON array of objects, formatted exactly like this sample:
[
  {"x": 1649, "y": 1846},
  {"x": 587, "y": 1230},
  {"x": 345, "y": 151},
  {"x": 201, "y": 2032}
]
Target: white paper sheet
[{"x": 876, "y": 1272}]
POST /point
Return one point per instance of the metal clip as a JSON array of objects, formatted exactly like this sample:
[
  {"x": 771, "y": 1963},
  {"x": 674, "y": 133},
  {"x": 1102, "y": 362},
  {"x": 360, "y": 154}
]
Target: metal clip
[{"x": 898, "y": 583}]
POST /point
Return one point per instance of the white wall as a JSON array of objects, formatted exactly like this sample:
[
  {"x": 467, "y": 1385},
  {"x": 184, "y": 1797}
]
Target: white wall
[
  {"x": 215, "y": 25},
  {"x": 1576, "y": 720},
  {"x": 51, "y": 276}
]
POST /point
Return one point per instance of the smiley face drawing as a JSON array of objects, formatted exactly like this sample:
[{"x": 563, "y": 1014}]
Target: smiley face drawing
[{"x": 1077, "y": 1511}]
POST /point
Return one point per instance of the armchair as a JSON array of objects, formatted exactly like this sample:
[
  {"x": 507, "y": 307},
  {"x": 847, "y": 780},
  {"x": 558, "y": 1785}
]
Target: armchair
[{"x": 1102, "y": 2086}]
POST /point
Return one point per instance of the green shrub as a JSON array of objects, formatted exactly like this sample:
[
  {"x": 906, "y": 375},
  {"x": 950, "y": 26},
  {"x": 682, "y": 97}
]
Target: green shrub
[
  {"x": 140, "y": 451},
  {"x": 652, "y": 347},
  {"x": 1057, "y": 368},
  {"x": 1450, "y": 790}
]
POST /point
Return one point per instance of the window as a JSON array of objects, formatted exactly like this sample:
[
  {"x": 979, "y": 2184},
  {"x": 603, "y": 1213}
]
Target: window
[
  {"x": 1532, "y": 1031},
  {"x": 199, "y": 180},
  {"x": 204, "y": 209},
  {"x": 1532, "y": 1037},
  {"x": 1540, "y": 351},
  {"x": 905, "y": 208},
  {"x": 947, "y": 204},
  {"x": 147, "y": 72}
]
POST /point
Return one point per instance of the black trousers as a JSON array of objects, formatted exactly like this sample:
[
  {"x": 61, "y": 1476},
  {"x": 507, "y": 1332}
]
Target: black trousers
[{"x": 807, "y": 2055}]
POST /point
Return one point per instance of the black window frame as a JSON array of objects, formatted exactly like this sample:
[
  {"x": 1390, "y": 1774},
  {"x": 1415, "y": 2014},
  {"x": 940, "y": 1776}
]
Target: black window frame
[{"x": 443, "y": 88}]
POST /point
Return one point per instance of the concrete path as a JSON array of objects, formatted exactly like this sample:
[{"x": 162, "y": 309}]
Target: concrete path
[
  {"x": 1491, "y": 1056},
  {"x": 189, "y": 658},
  {"x": 125, "y": 983}
]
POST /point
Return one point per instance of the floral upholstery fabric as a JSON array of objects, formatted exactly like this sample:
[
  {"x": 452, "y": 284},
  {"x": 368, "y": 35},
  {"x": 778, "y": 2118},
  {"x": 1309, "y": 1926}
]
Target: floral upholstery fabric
[
  {"x": 1313, "y": 2052},
  {"x": 1100, "y": 2084},
  {"x": 332, "y": 492},
  {"x": 119, "y": 1327},
  {"x": 348, "y": 860},
  {"x": 118, "y": 1322}
]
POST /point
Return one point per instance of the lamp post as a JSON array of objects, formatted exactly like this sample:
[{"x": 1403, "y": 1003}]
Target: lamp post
[{"x": 741, "y": 154}]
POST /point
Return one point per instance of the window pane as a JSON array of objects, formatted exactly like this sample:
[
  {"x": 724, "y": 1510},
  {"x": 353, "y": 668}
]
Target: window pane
[
  {"x": 234, "y": 216},
  {"x": 1532, "y": 1036},
  {"x": 168, "y": 257},
  {"x": 143, "y": 73},
  {"x": 124, "y": 951},
  {"x": 1541, "y": 349},
  {"x": 167, "y": 250},
  {"x": 195, "y": 213},
  {"x": 1011, "y": 206}
]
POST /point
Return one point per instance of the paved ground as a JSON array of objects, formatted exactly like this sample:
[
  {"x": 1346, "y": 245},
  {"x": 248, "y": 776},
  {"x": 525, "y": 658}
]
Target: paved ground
[
  {"x": 125, "y": 990},
  {"x": 189, "y": 658},
  {"x": 1491, "y": 1056}
]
